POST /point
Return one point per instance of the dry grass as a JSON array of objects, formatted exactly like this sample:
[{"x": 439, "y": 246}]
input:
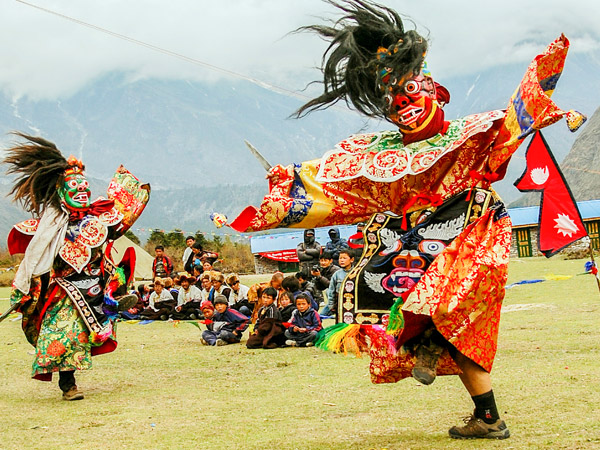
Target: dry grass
[{"x": 161, "y": 389}]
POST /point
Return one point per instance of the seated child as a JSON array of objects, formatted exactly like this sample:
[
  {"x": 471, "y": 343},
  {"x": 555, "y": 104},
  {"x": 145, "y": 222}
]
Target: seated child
[
  {"x": 208, "y": 311},
  {"x": 228, "y": 324},
  {"x": 286, "y": 305},
  {"x": 291, "y": 284},
  {"x": 188, "y": 300},
  {"x": 268, "y": 329},
  {"x": 161, "y": 303},
  {"x": 305, "y": 324}
]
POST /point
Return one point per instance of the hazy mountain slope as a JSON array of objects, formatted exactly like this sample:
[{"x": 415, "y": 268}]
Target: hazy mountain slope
[{"x": 186, "y": 139}]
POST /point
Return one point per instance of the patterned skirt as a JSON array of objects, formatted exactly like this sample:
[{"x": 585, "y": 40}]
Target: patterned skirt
[
  {"x": 461, "y": 294},
  {"x": 63, "y": 342}
]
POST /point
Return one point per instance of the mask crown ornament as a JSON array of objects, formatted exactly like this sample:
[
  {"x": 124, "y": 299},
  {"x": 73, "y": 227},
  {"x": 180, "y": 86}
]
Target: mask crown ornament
[{"x": 75, "y": 166}]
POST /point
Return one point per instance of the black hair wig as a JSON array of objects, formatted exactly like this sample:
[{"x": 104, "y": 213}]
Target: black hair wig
[
  {"x": 350, "y": 65},
  {"x": 40, "y": 169}
]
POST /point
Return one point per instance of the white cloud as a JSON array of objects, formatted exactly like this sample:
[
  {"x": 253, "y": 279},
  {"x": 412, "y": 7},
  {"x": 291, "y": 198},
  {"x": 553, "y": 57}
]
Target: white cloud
[{"x": 47, "y": 56}]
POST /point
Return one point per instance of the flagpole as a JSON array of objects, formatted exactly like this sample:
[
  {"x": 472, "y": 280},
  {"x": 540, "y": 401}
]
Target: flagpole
[{"x": 594, "y": 265}]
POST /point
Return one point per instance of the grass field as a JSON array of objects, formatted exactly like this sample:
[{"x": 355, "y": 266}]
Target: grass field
[{"x": 162, "y": 390}]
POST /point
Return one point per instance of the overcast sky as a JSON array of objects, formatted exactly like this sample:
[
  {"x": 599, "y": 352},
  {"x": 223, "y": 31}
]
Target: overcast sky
[{"x": 46, "y": 56}]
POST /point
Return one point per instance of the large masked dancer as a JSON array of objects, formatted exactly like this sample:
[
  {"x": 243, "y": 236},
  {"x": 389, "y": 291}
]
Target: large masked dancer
[
  {"x": 425, "y": 296},
  {"x": 68, "y": 287}
]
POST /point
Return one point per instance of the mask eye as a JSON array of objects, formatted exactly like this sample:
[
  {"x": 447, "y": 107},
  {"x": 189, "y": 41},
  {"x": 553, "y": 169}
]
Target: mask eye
[
  {"x": 411, "y": 87},
  {"x": 432, "y": 247},
  {"x": 72, "y": 184},
  {"x": 94, "y": 290}
]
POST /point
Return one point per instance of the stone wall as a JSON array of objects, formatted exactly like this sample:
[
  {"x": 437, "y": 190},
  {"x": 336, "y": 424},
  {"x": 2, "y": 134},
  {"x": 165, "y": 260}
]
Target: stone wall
[
  {"x": 264, "y": 265},
  {"x": 581, "y": 245}
]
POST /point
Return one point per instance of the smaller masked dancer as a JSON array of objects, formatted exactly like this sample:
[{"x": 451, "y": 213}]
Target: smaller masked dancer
[{"x": 68, "y": 287}]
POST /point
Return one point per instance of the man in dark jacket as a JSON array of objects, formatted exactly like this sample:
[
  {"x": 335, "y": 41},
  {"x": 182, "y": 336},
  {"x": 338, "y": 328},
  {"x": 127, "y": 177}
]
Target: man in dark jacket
[
  {"x": 322, "y": 276},
  {"x": 336, "y": 244},
  {"x": 308, "y": 251}
]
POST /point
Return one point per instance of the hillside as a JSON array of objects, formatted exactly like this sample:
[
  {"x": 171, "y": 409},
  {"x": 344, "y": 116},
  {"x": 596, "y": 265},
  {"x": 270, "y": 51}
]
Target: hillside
[
  {"x": 186, "y": 138},
  {"x": 581, "y": 167}
]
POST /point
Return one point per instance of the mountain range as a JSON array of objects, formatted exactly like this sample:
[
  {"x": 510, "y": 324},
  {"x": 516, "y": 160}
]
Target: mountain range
[{"x": 187, "y": 138}]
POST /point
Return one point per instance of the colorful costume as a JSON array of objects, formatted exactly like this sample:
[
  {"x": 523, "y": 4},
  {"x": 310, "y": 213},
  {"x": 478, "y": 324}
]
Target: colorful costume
[
  {"x": 376, "y": 172},
  {"x": 68, "y": 287},
  {"x": 437, "y": 241}
]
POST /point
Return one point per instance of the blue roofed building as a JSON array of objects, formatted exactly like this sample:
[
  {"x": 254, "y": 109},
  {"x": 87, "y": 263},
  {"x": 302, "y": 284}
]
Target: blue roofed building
[
  {"x": 524, "y": 241},
  {"x": 277, "y": 251}
]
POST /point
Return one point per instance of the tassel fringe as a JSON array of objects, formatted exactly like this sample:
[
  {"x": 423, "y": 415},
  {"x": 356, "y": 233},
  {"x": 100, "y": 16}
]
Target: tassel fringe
[
  {"x": 343, "y": 338},
  {"x": 396, "y": 322}
]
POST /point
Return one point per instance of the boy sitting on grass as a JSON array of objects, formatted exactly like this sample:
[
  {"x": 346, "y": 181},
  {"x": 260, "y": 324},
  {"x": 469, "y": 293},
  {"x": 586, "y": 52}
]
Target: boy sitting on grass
[
  {"x": 305, "y": 324},
  {"x": 228, "y": 324},
  {"x": 268, "y": 329}
]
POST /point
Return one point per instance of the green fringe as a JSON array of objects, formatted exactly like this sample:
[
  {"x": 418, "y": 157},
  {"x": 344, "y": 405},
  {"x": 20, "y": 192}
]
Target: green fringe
[
  {"x": 396, "y": 323},
  {"x": 326, "y": 335}
]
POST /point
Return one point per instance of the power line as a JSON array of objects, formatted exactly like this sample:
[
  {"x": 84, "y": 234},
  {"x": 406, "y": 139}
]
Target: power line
[
  {"x": 189, "y": 59},
  {"x": 165, "y": 51}
]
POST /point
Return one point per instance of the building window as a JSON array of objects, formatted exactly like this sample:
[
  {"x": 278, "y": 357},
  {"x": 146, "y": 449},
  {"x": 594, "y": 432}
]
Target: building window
[
  {"x": 524, "y": 243},
  {"x": 287, "y": 267},
  {"x": 593, "y": 231}
]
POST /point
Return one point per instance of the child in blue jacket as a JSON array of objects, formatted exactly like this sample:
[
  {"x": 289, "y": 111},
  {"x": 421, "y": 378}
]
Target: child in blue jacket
[
  {"x": 228, "y": 325},
  {"x": 305, "y": 324}
]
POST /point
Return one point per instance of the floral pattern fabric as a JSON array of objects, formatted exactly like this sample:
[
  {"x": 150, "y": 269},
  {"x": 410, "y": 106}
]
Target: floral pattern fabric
[
  {"x": 63, "y": 342},
  {"x": 461, "y": 293},
  {"x": 383, "y": 156},
  {"x": 373, "y": 173}
]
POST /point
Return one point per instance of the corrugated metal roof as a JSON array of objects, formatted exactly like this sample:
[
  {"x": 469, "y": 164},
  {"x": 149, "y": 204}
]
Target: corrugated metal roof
[
  {"x": 290, "y": 239},
  {"x": 529, "y": 215}
]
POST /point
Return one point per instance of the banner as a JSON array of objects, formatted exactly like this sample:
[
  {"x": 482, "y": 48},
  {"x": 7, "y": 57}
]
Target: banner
[{"x": 281, "y": 255}]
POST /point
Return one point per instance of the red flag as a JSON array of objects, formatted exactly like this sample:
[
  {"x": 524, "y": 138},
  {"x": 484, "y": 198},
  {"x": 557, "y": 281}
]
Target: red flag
[{"x": 560, "y": 223}]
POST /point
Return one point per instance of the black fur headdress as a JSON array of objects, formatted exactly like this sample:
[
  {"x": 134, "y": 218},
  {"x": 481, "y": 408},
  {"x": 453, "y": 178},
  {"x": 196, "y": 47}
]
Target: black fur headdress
[
  {"x": 351, "y": 66},
  {"x": 40, "y": 167}
]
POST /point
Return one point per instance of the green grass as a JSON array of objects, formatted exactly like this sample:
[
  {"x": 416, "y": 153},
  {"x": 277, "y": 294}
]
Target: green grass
[{"x": 162, "y": 389}]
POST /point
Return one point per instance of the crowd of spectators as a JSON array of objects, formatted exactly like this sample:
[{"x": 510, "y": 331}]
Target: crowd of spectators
[{"x": 284, "y": 311}]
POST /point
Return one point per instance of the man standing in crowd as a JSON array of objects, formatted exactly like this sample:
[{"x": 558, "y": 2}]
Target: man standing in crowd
[
  {"x": 162, "y": 266},
  {"x": 356, "y": 241},
  {"x": 308, "y": 251},
  {"x": 335, "y": 285},
  {"x": 321, "y": 276},
  {"x": 188, "y": 255},
  {"x": 336, "y": 244}
]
